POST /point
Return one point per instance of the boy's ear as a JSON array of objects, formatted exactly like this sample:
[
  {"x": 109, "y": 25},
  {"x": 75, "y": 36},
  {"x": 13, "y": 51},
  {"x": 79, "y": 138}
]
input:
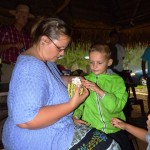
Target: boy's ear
[{"x": 110, "y": 61}]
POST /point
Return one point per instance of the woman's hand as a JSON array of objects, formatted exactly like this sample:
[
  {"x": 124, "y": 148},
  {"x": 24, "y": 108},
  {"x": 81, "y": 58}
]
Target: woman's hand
[
  {"x": 78, "y": 98},
  {"x": 18, "y": 45},
  {"x": 78, "y": 121},
  {"x": 118, "y": 123}
]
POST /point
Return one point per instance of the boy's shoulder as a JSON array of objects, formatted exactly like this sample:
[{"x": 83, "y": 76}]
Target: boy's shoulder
[{"x": 109, "y": 73}]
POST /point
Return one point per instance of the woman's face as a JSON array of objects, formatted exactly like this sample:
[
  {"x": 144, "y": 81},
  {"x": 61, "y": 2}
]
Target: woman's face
[
  {"x": 51, "y": 49},
  {"x": 99, "y": 62}
]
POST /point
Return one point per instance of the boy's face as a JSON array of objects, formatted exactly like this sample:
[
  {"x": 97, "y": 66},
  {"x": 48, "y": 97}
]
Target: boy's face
[{"x": 99, "y": 62}]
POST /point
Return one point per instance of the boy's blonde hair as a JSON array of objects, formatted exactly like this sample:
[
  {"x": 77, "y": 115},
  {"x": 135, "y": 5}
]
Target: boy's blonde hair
[{"x": 102, "y": 48}]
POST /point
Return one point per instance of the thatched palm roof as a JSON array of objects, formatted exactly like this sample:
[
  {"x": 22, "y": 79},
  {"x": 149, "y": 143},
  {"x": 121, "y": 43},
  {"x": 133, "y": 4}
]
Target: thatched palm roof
[{"x": 93, "y": 20}]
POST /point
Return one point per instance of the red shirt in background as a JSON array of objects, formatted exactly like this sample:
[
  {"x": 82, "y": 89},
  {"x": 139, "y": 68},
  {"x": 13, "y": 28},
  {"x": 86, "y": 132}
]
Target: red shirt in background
[{"x": 9, "y": 35}]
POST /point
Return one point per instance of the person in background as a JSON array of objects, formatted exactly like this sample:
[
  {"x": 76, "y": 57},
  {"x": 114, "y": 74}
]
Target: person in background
[
  {"x": 78, "y": 72},
  {"x": 63, "y": 70},
  {"x": 118, "y": 52},
  {"x": 107, "y": 97},
  {"x": 39, "y": 107},
  {"x": 140, "y": 133},
  {"x": 146, "y": 60},
  {"x": 13, "y": 40}
]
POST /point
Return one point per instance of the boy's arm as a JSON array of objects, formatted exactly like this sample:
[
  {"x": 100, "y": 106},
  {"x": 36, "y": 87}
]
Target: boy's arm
[
  {"x": 78, "y": 114},
  {"x": 79, "y": 111},
  {"x": 116, "y": 99}
]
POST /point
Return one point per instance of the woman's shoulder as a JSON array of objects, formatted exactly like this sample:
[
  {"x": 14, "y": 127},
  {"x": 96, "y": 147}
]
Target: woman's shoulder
[
  {"x": 29, "y": 63},
  {"x": 27, "y": 59}
]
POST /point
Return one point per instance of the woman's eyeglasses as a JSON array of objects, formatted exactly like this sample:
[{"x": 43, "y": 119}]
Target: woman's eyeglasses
[{"x": 59, "y": 48}]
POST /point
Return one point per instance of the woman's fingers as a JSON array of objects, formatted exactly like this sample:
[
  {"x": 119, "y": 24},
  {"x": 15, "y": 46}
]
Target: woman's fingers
[{"x": 79, "y": 96}]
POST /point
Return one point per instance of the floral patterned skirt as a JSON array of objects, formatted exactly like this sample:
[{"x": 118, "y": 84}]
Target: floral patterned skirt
[{"x": 87, "y": 138}]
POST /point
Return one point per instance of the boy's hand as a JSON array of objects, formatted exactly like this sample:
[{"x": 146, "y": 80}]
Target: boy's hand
[
  {"x": 78, "y": 121},
  {"x": 90, "y": 85},
  {"x": 94, "y": 87}
]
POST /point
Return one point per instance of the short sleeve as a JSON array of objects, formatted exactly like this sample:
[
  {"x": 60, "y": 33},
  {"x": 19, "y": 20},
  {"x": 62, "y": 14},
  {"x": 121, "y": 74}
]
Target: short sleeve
[
  {"x": 27, "y": 92},
  {"x": 146, "y": 54}
]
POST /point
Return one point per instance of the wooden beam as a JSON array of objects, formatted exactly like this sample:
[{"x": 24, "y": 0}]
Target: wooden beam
[
  {"x": 134, "y": 13},
  {"x": 136, "y": 8},
  {"x": 66, "y": 2}
]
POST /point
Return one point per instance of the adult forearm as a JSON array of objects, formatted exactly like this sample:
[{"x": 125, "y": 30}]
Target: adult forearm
[
  {"x": 4, "y": 47},
  {"x": 48, "y": 115},
  {"x": 67, "y": 79}
]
